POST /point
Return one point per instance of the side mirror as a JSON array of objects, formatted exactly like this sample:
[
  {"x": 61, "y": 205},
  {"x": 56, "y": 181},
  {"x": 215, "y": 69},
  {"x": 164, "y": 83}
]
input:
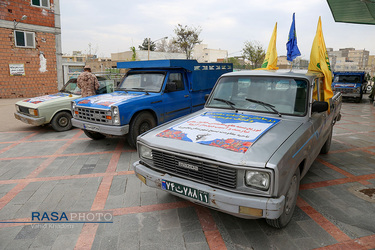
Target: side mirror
[
  {"x": 206, "y": 97},
  {"x": 170, "y": 87},
  {"x": 319, "y": 107}
]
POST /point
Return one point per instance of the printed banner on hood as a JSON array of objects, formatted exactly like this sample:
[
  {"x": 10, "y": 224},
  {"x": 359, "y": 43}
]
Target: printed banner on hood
[
  {"x": 108, "y": 99},
  {"x": 235, "y": 132},
  {"x": 44, "y": 98}
]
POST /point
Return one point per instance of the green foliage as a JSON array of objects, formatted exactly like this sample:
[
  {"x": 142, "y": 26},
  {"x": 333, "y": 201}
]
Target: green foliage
[
  {"x": 144, "y": 45},
  {"x": 254, "y": 52},
  {"x": 134, "y": 55},
  {"x": 238, "y": 63},
  {"x": 186, "y": 38}
]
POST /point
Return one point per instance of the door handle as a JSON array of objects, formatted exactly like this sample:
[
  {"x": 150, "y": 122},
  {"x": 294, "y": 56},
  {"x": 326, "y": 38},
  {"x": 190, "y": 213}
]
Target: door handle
[{"x": 186, "y": 96}]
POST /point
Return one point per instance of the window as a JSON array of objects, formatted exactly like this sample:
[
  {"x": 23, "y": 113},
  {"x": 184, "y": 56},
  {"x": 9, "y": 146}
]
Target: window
[
  {"x": 40, "y": 3},
  {"x": 24, "y": 39},
  {"x": 177, "y": 78}
]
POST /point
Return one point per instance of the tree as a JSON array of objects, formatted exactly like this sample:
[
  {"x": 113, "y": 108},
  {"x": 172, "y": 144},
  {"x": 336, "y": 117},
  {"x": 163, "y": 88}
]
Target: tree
[
  {"x": 144, "y": 45},
  {"x": 187, "y": 38},
  {"x": 167, "y": 46},
  {"x": 254, "y": 52},
  {"x": 238, "y": 63},
  {"x": 134, "y": 55}
]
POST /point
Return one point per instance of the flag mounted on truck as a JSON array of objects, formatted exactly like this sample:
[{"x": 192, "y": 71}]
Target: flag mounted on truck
[{"x": 319, "y": 61}]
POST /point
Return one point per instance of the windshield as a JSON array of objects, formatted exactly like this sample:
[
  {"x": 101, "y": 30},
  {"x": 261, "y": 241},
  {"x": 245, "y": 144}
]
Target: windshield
[
  {"x": 71, "y": 87},
  {"x": 143, "y": 81},
  {"x": 263, "y": 94},
  {"x": 348, "y": 78},
  {"x": 105, "y": 86}
]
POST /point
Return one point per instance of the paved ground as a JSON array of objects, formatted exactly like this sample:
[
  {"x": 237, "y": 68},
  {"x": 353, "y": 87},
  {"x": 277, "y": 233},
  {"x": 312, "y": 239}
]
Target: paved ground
[{"x": 42, "y": 170}]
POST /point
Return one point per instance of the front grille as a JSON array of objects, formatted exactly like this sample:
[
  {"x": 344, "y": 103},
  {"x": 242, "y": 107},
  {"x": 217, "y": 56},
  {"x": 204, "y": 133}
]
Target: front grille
[
  {"x": 24, "y": 110},
  {"x": 344, "y": 91},
  {"x": 209, "y": 173},
  {"x": 93, "y": 115}
]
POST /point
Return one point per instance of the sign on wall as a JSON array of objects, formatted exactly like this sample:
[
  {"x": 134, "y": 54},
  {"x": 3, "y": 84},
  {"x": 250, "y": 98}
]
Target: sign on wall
[{"x": 17, "y": 69}]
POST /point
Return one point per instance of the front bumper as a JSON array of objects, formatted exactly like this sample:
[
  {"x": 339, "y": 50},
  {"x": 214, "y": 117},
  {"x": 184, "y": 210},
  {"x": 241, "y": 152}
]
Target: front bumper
[
  {"x": 105, "y": 129},
  {"x": 36, "y": 121},
  {"x": 224, "y": 201},
  {"x": 348, "y": 93}
]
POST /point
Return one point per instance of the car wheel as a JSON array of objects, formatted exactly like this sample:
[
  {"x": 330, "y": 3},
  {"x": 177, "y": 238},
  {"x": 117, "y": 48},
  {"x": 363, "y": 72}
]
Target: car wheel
[
  {"x": 62, "y": 121},
  {"x": 94, "y": 135},
  {"x": 141, "y": 123},
  {"x": 290, "y": 203},
  {"x": 327, "y": 144}
]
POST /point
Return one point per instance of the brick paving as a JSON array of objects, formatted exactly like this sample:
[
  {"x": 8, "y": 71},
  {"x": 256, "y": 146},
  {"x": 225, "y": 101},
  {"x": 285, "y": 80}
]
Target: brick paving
[{"x": 43, "y": 170}]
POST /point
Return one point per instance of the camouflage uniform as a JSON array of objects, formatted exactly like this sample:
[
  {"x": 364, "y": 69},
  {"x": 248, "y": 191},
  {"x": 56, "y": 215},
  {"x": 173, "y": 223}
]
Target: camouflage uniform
[{"x": 88, "y": 83}]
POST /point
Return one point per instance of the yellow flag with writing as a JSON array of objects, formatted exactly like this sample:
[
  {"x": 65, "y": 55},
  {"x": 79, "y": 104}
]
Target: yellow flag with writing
[
  {"x": 270, "y": 61},
  {"x": 319, "y": 61}
]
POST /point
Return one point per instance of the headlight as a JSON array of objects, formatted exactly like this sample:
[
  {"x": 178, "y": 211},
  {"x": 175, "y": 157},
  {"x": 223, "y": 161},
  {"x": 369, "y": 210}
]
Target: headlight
[
  {"x": 115, "y": 116},
  {"x": 257, "y": 179},
  {"x": 74, "y": 112},
  {"x": 145, "y": 152},
  {"x": 115, "y": 111},
  {"x": 18, "y": 108},
  {"x": 33, "y": 112}
]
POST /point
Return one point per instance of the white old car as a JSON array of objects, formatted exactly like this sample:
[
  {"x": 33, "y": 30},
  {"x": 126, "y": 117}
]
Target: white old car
[{"x": 54, "y": 109}]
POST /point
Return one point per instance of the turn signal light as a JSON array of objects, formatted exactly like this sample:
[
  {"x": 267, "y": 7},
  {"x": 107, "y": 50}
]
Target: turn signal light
[{"x": 108, "y": 117}]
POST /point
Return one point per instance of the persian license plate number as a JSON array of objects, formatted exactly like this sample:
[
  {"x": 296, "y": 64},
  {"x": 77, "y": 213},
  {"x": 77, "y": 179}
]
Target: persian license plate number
[{"x": 186, "y": 191}]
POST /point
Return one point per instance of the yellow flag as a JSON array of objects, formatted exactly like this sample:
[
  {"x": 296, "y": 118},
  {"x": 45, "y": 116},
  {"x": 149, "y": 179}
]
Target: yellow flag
[
  {"x": 270, "y": 61},
  {"x": 319, "y": 61}
]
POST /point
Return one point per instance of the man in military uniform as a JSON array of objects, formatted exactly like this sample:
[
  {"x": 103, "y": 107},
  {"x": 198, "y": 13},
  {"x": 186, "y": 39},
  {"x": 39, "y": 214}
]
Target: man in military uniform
[{"x": 87, "y": 82}]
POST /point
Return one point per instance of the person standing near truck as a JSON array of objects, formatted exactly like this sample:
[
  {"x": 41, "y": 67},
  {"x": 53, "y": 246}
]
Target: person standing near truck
[{"x": 87, "y": 82}]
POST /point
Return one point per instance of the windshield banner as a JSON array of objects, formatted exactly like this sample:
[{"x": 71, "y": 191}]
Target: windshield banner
[
  {"x": 44, "y": 98},
  {"x": 235, "y": 132},
  {"x": 108, "y": 99}
]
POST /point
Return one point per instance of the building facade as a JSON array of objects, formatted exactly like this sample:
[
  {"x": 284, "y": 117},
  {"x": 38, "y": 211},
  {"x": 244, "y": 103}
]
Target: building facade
[
  {"x": 348, "y": 59},
  {"x": 203, "y": 54},
  {"x": 30, "y": 48}
]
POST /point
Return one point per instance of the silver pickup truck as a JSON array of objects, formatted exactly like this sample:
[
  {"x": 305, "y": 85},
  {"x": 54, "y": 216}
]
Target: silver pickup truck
[{"x": 245, "y": 152}]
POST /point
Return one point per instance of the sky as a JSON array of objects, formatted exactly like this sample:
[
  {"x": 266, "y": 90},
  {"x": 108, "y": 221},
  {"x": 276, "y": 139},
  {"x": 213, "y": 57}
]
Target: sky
[{"x": 114, "y": 26}]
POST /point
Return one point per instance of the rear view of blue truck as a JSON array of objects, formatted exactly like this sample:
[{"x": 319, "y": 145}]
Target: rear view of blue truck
[{"x": 151, "y": 93}]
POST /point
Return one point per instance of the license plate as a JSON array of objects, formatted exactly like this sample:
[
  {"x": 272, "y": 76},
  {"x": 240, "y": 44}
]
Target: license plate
[
  {"x": 186, "y": 191},
  {"x": 92, "y": 128}
]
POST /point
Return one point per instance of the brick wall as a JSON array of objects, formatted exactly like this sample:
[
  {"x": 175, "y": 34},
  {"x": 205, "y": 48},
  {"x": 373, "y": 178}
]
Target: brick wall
[
  {"x": 34, "y": 82},
  {"x": 14, "y": 9}
]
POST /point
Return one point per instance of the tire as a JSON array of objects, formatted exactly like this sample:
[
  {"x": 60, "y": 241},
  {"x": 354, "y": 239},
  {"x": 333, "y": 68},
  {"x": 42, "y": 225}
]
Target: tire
[
  {"x": 327, "y": 144},
  {"x": 94, "y": 135},
  {"x": 290, "y": 203},
  {"x": 141, "y": 123},
  {"x": 62, "y": 121}
]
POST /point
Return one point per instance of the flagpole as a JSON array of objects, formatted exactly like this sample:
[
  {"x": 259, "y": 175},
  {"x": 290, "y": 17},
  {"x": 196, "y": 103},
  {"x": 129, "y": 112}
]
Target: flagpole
[{"x": 291, "y": 66}]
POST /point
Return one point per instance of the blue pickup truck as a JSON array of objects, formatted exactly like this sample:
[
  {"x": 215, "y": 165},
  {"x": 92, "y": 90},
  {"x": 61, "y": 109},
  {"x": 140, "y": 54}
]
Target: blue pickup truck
[
  {"x": 349, "y": 83},
  {"x": 151, "y": 93}
]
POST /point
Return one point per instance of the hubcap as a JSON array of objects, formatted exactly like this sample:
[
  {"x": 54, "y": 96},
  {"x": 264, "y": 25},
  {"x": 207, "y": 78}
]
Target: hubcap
[
  {"x": 144, "y": 127},
  {"x": 63, "y": 121},
  {"x": 290, "y": 195}
]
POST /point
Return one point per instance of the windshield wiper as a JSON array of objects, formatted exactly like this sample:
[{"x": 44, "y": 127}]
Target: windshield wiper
[
  {"x": 141, "y": 89},
  {"x": 122, "y": 89},
  {"x": 65, "y": 91},
  {"x": 231, "y": 104},
  {"x": 264, "y": 104}
]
